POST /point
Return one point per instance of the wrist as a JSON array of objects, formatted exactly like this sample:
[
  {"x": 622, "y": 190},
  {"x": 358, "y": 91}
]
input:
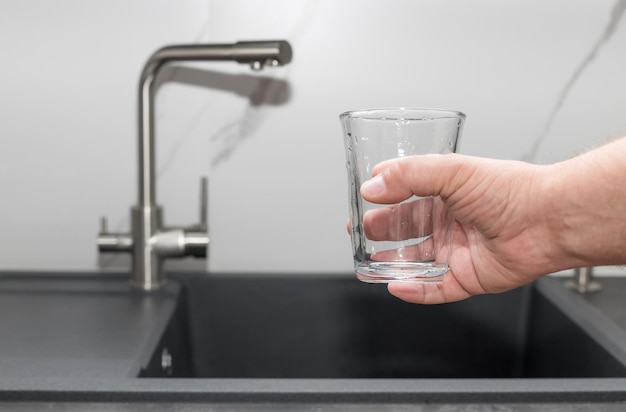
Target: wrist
[
  {"x": 586, "y": 204},
  {"x": 561, "y": 219}
]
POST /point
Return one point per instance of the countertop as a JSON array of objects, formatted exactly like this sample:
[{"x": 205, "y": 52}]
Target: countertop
[
  {"x": 78, "y": 326},
  {"x": 78, "y": 341}
]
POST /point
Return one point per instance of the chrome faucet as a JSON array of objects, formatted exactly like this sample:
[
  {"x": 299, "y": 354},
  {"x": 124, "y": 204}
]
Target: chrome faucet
[
  {"x": 583, "y": 281},
  {"x": 149, "y": 241}
]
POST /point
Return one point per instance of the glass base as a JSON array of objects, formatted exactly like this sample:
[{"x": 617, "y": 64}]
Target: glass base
[{"x": 408, "y": 272}]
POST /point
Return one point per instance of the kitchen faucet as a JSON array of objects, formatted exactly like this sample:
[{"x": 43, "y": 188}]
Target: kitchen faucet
[{"x": 149, "y": 241}]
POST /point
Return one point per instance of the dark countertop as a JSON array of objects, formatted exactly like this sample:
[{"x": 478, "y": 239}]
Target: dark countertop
[
  {"x": 76, "y": 342},
  {"x": 78, "y": 326}
]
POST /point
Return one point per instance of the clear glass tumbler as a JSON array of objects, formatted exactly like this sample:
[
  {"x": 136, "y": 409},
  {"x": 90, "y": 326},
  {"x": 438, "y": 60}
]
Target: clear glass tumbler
[{"x": 409, "y": 241}]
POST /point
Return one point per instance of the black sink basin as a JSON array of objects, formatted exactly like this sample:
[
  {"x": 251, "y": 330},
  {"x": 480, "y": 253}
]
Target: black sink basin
[{"x": 338, "y": 327}]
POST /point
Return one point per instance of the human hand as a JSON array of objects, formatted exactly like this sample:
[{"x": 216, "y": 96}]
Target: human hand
[{"x": 501, "y": 236}]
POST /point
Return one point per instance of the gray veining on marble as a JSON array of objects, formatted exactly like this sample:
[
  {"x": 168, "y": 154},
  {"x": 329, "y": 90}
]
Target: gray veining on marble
[{"x": 614, "y": 20}]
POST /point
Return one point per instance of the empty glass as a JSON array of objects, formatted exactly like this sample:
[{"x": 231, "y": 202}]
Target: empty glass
[{"x": 409, "y": 241}]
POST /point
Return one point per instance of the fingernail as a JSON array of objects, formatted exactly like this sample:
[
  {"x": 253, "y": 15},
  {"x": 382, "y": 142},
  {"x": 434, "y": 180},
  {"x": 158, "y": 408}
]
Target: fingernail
[{"x": 374, "y": 186}]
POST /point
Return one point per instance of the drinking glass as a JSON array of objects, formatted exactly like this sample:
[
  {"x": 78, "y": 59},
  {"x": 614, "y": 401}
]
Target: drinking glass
[{"x": 409, "y": 241}]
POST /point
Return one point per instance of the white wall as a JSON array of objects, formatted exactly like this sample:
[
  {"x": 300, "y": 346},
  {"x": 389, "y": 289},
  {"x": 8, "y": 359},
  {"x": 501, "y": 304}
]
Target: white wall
[{"x": 278, "y": 200}]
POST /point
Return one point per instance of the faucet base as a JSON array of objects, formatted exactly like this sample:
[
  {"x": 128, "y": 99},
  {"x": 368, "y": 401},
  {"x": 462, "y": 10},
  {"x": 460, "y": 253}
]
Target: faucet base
[{"x": 147, "y": 287}]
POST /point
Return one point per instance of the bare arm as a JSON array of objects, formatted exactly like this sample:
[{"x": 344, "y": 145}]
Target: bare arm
[
  {"x": 514, "y": 221},
  {"x": 589, "y": 207}
]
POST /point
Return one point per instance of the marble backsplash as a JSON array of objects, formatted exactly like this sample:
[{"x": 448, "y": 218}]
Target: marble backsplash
[{"x": 539, "y": 81}]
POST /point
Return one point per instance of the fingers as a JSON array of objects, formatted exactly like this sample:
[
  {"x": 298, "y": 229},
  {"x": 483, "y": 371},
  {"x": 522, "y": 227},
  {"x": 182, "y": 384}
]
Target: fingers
[
  {"x": 427, "y": 175},
  {"x": 399, "y": 222},
  {"x": 423, "y": 251},
  {"x": 429, "y": 293}
]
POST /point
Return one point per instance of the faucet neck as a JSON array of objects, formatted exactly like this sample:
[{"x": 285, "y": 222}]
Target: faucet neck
[{"x": 256, "y": 53}]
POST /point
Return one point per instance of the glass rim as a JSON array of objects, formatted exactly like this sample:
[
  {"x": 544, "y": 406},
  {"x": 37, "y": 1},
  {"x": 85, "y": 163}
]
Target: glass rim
[{"x": 397, "y": 113}]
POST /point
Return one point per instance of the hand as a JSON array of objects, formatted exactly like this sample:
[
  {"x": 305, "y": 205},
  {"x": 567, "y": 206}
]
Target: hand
[{"x": 501, "y": 235}]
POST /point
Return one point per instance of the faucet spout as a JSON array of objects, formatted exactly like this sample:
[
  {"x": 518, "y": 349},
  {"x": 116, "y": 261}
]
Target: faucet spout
[
  {"x": 149, "y": 241},
  {"x": 255, "y": 53}
]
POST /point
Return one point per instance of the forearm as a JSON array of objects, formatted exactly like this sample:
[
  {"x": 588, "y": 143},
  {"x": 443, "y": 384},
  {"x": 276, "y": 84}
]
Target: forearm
[{"x": 587, "y": 213}]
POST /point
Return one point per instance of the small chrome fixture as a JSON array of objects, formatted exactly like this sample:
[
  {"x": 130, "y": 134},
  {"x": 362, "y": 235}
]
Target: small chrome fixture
[
  {"x": 149, "y": 241},
  {"x": 583, "y": 281}
]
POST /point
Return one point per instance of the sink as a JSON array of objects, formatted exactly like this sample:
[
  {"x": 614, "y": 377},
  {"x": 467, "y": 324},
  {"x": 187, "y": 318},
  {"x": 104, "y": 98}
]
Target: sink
[
  {"x": 305, "y": 340},
  {"x": 329, "y": 327}
]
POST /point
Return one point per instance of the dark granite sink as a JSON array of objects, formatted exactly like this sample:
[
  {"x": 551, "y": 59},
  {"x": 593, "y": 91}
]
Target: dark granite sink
[
  {"x": 319, "y": 340},
  {"x": 337, "y": 327}
]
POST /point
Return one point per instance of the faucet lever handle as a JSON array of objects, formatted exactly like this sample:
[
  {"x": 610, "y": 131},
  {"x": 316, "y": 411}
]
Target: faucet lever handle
[
  {"x": 195, "y": 237},
  {"x": 113, "y": 242},
  {"x": 204, "y": 204},
  {"x": 203, "y": 224},
  {"x": 104, "y": 225}
]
